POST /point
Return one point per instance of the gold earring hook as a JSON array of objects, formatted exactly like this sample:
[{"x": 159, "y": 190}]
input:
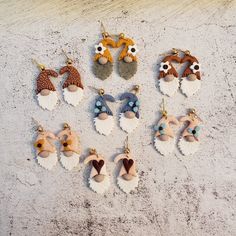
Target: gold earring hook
[
  {"x": 66, "y": 126},
  {"x": 92, "y": 151},
  {"x": 127, "y": 149},
  {"x": 40, "y": 66},
  {"x": 39, "y": 126},
  {"x": 103, "y": 30},
  {"x": 186, "y": 52},
  {"x": 193, "y": 114},
  {"x": 69, "y": 61},
  {"x": 100, "y": 91},
  {"x": 136, "y": 89},
  {"x": 163, "y": 109},
  {"x": 173, "y": 51}
]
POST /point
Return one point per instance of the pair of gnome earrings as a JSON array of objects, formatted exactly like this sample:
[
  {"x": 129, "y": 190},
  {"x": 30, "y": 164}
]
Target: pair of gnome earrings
[
  {"x": 99, "y": 179},
  {"x": 168, "y": 76},
  {"x": 70, "y": 148},
  {"x": 103, "y": 61},
  {"x": 73, "y": 88},
  {"x": 164, "y": 140},
  {"x": 128, "y": 117}
]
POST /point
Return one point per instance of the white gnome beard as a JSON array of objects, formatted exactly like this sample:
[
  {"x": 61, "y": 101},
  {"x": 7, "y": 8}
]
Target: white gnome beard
[
  {"x": 99, "y": 187},
  {"x": 169, "y": 88},
  {"x": 188, "y": 148},
  {"x": 73, "y": 98},
  {"x": 104, "y": 126},
  {"x": 69, "y": 162},
  {"x": 190, "y": 87},
  {"x": 48, "y": 162},
  {"x": 48, "y": 102},
  {"x": 127, "y": 124},
  {"x": 127, "y": 185},
  {"x": 164, "y": 147}
]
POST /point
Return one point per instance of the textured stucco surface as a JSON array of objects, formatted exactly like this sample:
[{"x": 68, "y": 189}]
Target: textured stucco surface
[{"x": 177, "y": 195}]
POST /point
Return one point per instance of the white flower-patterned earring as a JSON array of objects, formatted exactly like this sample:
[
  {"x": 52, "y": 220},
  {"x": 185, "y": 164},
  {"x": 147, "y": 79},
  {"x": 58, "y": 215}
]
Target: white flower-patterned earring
[
  {"x": 164, "y": 140},
  {"x": 129, "y": 114},
  {"x": 70, "y": 150},
  {"x": 103, "y": 120},
  {"x": 168, "y": 76},
  {"x": 103, "y": 61},
  {"x": 45, "y": 149},
  {"x": 189, "y": 141},
  {"x": 127, "y": 178},
  {"x": 99, "y": 180},
  {"x": 45, "y": 90},
  {"x": 127, "y": 66},
  {"x": 73, "y": 88},
  {"x": 191, "y": 78}
]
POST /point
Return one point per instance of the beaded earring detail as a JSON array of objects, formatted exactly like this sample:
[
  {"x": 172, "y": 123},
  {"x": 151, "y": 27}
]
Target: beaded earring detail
[
  {"x": 45, "y": 90},
  {"x": 73, "y": 89},
  {"x": 164, "y": 140},
  {"x": 46, "y": 155},
  {"x": 189, "y": 141},
  {"x": 70, "y": 150},
  {"x": 127, "y": 179},
  {"x": 127, "y": 65},
  {"x": 191, "y": 79},
  {"x": 103, "y": 120},
  {"x": 103, "y": 61},
  {"x": 129, "y": 115},
  {"x": 168, "y": 76},
  {"x": 99, "y": 180}
]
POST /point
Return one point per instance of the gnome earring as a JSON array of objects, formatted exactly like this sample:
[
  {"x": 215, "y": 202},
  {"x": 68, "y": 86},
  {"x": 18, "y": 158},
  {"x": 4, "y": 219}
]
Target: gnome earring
[
  {"x": 103, "y": 61},
  {"x": 73, "y": 88},
  {"x": 189, "y": 141},
  {"x": 127, "y": 60},
  {"x": 127, "y": 179},
  {"x": 191, "y": 79},
  {"x": 164, "y": 140},
  {"x": 103, "y": 120},
  {"x": 99, "y": 180},
  {"x": 46, "y": 154},
  {"x": 168, "y": 76},
  {"x": 129, "y": 115},
  {"x": 45, "y": 90},
  {"x": 70, "y": 150}
]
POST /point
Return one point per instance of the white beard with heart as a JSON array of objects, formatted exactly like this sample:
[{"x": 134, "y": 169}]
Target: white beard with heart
[
  {"x": 48, "y": 162},
  {"x": 73, "y": 98},
  {"x": 127, "y": 185},
  {"x": 164, "y": 147},
  {"x": 188, "y": 148},
  {"x": 100, "y": 187},
  {"x": 104, "y": 126},
  {"x": 69, "y": 162},
  {"x": 48, "y": 102},
  {"x": 169, "y": 88},
  {"x": 189, "y": 87},
  {"x": 128, "y": 125}
]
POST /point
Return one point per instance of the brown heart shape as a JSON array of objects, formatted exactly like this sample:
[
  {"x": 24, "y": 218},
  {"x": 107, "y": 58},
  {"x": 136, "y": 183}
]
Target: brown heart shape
[
  {"x": 98, "y": 165},
  {"x": 127, "y": 164}
]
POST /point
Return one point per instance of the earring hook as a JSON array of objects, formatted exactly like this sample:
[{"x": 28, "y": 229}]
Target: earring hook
[
  {"x": 92, "y": 151},
  {"x": 39, "y": 126},
  {"x": 127, "y": 149},
  {"x": 100, "y": 91},
  {"x": 68, "y": 59},
  {"x": 163, "y": 109},
  {"x": 40, "y": 66},
  {"x": 193, "y": 114},
  {"x": 136, "y": 89},
  {"x": 103, "y": 30}
]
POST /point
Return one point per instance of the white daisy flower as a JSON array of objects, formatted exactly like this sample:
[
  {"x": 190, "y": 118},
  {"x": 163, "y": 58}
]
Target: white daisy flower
[
  {"x": 132, "y": 49},
  {"x": 165, "y": 66},
  {"x": 100, "y": 48},
  {"x": 195, "y": 67}
]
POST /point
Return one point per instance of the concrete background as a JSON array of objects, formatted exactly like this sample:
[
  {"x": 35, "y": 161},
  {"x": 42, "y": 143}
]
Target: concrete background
[{"x": 177, "y": 195}]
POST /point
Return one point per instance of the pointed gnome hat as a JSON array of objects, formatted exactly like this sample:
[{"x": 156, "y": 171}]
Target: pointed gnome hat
[
  {"x": 132, "y": 103},
  {"x": 101, "y": 105}
]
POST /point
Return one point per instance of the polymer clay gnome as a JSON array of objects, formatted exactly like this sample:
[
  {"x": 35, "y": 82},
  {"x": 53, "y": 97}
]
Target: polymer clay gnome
[
  {"x": 46, "y": 92},
  {"x": 127, "y": 179},
  {"x": 70, "y": 150},
  {"x": 73, "y": 89},
  {"x": 103, "y": 120},
  {"x": 189, "y": 141},
  {"x": 164, "y": 140},
  {"x": 168, "y": 76},
  {"x": 46, "y": 154},
  {"x": 99, "y": 180},
  {"x": 129, "y": 115},
  {"x": 191, "y": 79},
  {"x": 127, "y": 65}
]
